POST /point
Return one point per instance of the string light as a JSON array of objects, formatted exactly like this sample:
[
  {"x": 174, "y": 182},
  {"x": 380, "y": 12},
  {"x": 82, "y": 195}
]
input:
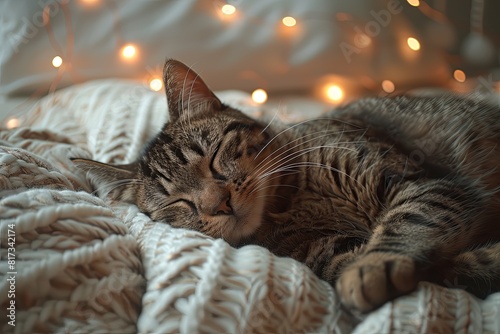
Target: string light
[
  {"x": 388, "y": 86},
  {"x": 330, "y": 91},
  {"x": 156, "y": 84},
  {"x": 334, "y": 93},
  {"x": 343, "y": 17},
  {"x": 57, "y": 61},
  {"x": 289, "y": 21},
  {"x": 259, "y": 96},
  {"x": 129, "y": 52},
  {"x": 413, "y": 43},
  {"x": 89, "y": 2},
  {"x": 12, "y": 123},
  {"x": 228, "y": 9},
  {"x": 362, "y": 40},
  {"x": 459, "y": 75}
]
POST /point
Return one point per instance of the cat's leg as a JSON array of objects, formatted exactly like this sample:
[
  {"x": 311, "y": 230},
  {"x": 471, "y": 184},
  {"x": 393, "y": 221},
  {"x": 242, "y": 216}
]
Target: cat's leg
[
  {"x": 425, "y": 224},
  {"x": 476, "y": 271},
  {"x": 328, "y": 255}
]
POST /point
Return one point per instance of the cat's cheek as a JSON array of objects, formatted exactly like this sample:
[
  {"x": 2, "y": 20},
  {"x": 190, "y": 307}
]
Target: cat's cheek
[{"x": 250, "y": 217}]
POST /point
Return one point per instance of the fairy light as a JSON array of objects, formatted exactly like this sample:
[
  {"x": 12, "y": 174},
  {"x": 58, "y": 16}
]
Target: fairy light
[
  {"x": 89, "y": 2},
  {"x": 57, "y": 61},
  {"x": 289, "y": 21},
  {"x": 413, "y": 43},
  {"x": 259, "y": 96},
  {"x": 129, "y": 52},
  {"x": 459, "y": 75},
  {"x": 388, "y": 86},
  {"x": 156, "y": 84},
  {"x": 343, "y": 17},
  {"x": 414, "y": 3},
  {"x": 12, "y": 123},
  {"x": 334, "y": 93},
  {"x": 228, "y": 9},
  {"x": 362, "y": 41}
]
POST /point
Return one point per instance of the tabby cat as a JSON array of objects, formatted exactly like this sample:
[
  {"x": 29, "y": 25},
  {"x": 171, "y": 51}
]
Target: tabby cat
[{"x": 375, "y": 197}]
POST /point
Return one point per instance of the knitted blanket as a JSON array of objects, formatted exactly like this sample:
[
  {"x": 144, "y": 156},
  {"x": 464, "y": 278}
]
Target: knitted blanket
[{"x": 73, "y": 262}]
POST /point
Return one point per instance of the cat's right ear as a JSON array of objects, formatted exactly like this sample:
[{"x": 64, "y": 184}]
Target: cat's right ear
[
  {"x": 186, "y": 91},
  {"x": 113, "y": 181}
]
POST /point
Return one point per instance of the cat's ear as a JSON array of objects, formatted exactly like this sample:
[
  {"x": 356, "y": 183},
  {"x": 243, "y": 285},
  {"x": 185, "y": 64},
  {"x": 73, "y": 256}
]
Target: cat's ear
[
  {"x": 186, "y": 91},
  {"x": 113, "y": 181}
]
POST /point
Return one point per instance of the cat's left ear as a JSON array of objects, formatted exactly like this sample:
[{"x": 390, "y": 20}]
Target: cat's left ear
[
  {"x": 186, "y": 91},
  {"x": 113, "y": 181}
]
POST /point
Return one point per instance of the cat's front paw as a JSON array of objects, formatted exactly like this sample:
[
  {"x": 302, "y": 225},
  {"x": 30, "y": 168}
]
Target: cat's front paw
[{"x": 374, "y": 279}]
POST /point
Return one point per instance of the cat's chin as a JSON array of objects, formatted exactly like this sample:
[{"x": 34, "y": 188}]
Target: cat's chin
[{"x": 247, "y": 220}]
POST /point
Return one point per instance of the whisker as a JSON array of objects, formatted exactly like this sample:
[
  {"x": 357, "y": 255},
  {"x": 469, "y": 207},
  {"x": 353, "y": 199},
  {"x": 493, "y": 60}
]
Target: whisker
[
  {"x": 272, "y": 119},
  {"x": 274, "y": 157},
  {"x": 272, "y": 196},
  {"x": 262, "y": 181},
  {"x": 328, "y": 132},
  {"x": 189, "y": 97},
  {"x": 302, "y": 152},
  {"x": 298, "y": 124},
  {"x": 291, "y": 148},
  {"x": 311, "y": 164},
  {"x": 320, "y": 165},
  {"x": 279, "y": 185}
]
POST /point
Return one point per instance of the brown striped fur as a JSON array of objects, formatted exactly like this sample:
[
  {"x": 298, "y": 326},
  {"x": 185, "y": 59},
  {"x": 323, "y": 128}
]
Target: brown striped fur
[{"x": 375, "y": 197}]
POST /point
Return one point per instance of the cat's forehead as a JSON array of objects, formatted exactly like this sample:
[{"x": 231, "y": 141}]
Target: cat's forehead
[{"x": 211, "y": 126}]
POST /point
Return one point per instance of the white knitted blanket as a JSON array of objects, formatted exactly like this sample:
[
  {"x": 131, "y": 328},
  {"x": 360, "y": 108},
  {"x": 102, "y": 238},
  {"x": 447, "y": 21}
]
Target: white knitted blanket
[{"x": 86, "y": 265}]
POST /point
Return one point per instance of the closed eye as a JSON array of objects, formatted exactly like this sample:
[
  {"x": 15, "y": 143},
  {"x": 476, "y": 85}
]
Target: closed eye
[
  {"x": 261, "y": 146},
  {"x": 185, "y": 202},
  {"x": 256, "y": 148},
  {"x": 216, "y": 175}
]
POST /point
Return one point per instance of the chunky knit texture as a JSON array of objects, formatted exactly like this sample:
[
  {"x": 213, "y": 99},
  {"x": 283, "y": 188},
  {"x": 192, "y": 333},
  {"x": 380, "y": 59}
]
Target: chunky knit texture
[{"x": 85, "y": 264}]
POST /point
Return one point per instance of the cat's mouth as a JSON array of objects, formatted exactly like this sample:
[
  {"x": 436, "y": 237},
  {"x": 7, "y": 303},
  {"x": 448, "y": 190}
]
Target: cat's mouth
[
  {"x": 259, "y": 198},
  {"x": 245, "y": 219}
]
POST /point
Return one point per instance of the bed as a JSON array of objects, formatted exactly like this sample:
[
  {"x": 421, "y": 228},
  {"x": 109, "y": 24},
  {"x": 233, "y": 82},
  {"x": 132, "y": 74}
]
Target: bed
[
  {"x": 86, "y": 264},
  {"x": 72, "y": 262}
]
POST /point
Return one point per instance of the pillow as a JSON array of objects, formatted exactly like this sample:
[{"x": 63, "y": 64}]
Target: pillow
[{"x": 249, "y": 49}]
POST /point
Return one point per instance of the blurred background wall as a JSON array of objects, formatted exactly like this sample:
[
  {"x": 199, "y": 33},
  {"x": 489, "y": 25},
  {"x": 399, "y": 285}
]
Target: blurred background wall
[{"x": 335, "y": 49}]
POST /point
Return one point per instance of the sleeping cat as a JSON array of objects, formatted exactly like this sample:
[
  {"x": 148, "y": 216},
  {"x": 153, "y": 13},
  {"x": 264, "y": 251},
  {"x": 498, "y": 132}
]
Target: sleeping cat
[{"x": 375, "y": 197}]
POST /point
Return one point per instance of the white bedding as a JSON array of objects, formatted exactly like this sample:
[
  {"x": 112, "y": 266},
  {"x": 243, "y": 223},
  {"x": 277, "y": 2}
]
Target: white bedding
[{"x": 87, "y": 265}]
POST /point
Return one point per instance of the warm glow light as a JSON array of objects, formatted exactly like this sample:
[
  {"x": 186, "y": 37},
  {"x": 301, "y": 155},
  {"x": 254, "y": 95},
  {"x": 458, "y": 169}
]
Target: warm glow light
[
  {"x": 334, "y": 93},
  {"x": 57, "y": 61},
  {"x": 414, "y": 3},
  {"x": 413, "y": 43},
  {"x": 459, "y": 75},
  {"x": 343, "y": 17},
  {"x": 289, "y": 21},
  {"x": 129, "y": 51},
  {"x": 12, "y": 123},
  {"x": 89, "y": 3},
  {"x": 388, "y": 86},
  {"x": 228, "y": 9},
  {"x": 156, "y": 84},
  {"x": 259, "y": 96},
  {"x": 362, "y": 40}
]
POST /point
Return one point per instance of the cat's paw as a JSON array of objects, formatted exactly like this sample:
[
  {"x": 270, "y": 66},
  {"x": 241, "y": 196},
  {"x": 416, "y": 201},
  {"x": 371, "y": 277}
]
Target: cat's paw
[{"x": 375, "y": 279}]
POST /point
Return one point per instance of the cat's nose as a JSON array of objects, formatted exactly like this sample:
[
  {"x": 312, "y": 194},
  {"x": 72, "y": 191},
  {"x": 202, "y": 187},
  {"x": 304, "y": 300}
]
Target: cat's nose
[
  {"x": 215, "y": 200},
  {"x": 224, "y": 208}
]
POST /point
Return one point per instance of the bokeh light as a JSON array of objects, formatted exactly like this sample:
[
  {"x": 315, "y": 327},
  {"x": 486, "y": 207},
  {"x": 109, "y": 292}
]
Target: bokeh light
[{"x": 259, "y": 96}]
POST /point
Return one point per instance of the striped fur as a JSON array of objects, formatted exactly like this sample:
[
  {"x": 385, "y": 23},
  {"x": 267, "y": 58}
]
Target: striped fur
[{"x": 375, "y": 197}]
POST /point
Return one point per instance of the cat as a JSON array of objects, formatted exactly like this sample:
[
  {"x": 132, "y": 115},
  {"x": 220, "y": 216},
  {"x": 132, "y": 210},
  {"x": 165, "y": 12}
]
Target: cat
[{"x": 374, "y": 197}]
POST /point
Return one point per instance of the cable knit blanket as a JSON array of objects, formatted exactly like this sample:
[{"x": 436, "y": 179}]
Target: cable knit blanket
[{"x": 83, "y": 264}]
